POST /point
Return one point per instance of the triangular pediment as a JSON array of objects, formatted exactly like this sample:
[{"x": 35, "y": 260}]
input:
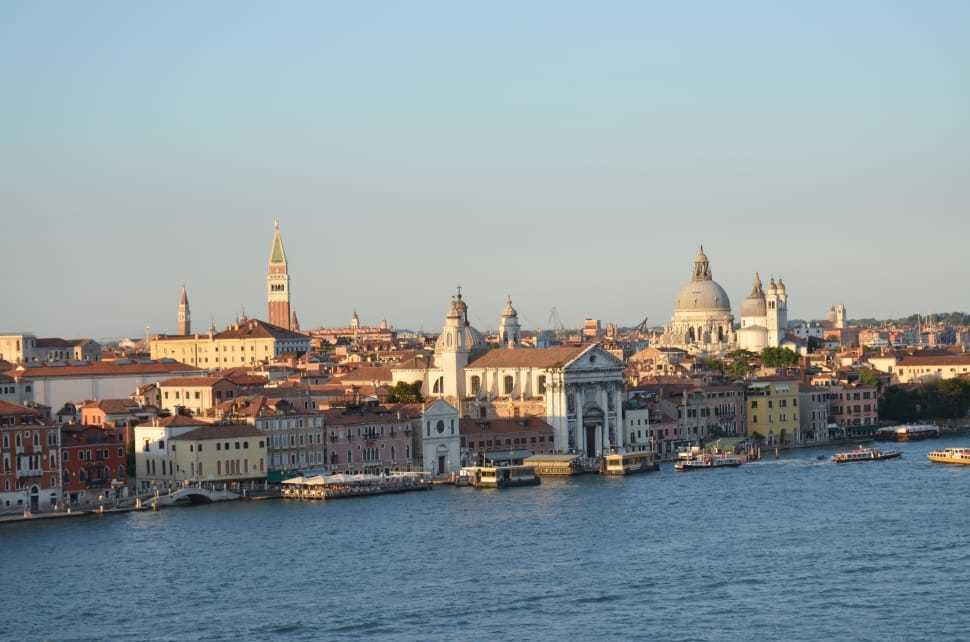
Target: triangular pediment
[{"x": 593, "y": 358}]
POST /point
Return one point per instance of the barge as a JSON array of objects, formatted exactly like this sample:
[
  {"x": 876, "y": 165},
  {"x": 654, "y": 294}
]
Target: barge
[{"x": 915, "y": 432}]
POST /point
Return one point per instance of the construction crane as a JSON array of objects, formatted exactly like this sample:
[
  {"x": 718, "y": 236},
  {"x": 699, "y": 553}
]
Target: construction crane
[
  {"x": 555, "y": 325},
  {"x": 642, "y": 326}
]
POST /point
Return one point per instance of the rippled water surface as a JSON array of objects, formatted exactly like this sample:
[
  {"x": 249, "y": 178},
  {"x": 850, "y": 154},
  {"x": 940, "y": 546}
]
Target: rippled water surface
[{"x": 787, "y": 549}]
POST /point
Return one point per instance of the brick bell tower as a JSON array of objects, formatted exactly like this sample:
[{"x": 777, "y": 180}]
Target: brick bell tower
[{"x": 278, "y": 284}]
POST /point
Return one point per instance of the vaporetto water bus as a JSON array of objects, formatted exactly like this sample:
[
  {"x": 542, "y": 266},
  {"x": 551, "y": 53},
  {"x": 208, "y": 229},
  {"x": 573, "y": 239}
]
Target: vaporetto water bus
[
  {"x": 951, "y": 456},
  {"x": 629, "y": 463},
  {"x": 499, "y": 476},
  {"x": 865, "y": 454},
  {"x": 694, "y": 459}
]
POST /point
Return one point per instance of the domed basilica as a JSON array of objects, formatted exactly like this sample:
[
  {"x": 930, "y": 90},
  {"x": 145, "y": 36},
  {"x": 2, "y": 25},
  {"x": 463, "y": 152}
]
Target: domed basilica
[{"x": 703, "y": 323}]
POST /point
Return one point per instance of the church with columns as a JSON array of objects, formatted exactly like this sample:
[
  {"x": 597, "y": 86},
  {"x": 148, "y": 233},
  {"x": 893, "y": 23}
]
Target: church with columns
[{"x": 578, "y": 390}]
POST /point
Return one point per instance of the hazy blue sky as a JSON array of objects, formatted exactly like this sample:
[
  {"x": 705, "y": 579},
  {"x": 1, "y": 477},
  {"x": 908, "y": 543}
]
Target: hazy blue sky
[{"x": 573, "y": 154}]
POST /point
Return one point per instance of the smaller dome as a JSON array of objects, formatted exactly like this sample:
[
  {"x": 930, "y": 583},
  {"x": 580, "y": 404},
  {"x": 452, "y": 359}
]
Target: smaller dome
[
  {"x": 509, "y": 311},
  {"x": 781, "y": 286},
  {"x": 754, "y": 305}
]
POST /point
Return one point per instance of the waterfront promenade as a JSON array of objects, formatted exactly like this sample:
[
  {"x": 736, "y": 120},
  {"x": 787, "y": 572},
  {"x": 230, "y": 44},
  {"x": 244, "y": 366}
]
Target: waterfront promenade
[{"x": 795, "y": 548}]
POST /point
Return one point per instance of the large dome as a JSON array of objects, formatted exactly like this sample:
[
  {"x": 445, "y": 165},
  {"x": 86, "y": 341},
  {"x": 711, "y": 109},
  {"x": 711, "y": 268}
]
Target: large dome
[{"x": 702, "y": 296}]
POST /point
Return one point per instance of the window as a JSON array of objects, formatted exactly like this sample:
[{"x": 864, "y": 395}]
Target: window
[
  {"x": 508, "y": 385},
  {"x": 476, "y": 385},
  {"x": 541, "y": 384},
  {"x": 440, "y": 427}
]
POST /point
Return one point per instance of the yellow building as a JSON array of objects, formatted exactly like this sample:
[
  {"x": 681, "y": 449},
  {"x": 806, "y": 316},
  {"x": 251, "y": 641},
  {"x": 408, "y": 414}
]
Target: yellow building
[
  {"x": 195, "y": 394},
  {"x": 772, "y": 412},
  {"x": 219, "y": 453},
  {"x": 249, "y": 342}
]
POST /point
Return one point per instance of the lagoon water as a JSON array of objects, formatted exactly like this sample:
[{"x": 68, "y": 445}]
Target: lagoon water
[{"x": 790, "y": 549}]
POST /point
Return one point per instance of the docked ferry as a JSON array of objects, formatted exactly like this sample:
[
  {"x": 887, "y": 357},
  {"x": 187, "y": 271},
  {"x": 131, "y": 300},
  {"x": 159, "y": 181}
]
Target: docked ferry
[
  {"x": 694, "y": 461},
  {"x": 629, "y": 463},
  {"x": 951, "y": 456},
  {"x": 500, "y": 476},
  {"x": 865, "y": 454},
  {"x": 913, "y": 432}
]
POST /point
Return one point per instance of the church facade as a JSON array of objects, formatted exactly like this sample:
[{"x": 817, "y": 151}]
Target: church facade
[{"x": 578, "y": 390}]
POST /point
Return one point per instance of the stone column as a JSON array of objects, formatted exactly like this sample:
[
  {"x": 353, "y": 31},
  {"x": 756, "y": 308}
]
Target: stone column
[
  {"x": 605, "y": 430},
  {"x": 620, "y": 425},
  {"x": 580, "y": 432}
]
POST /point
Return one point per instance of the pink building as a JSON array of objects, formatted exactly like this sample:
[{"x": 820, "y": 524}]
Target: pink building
[
  {"x": 371, "y": 440},
  {"x": 853, "y": 404}
]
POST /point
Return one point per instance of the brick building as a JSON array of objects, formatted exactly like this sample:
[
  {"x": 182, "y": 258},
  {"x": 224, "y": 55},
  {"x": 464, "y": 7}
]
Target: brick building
[
  {"x": 93, "y": 463},
  {"x": 371, "y": 440},
  {"x": 487, "y": 435},
  {"x": 29, "y": 461}
]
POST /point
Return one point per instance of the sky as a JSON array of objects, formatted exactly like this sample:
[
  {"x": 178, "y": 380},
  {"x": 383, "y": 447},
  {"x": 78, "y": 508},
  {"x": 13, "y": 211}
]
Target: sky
[{"x": 569, "y": 154}]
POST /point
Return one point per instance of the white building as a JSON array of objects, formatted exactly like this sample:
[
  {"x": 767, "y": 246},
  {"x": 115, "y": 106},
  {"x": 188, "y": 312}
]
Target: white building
[
  {"x": 576, "y": 389},
  {"x": 440, "y": 438},
  {"x": 54, "y": 385},
  {"x": 764, "y": 316}
]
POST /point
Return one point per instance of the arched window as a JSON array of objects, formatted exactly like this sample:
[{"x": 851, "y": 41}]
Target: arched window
[
  {"x": 508, "y": 384},
  {"x": 350, "y": 457},
  {"x": 690, "y": 335},
  {"x": 452, "y": 426}
]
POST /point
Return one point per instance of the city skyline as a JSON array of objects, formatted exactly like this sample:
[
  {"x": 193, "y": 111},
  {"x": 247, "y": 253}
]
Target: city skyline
[{"x": 576, "y": 161}]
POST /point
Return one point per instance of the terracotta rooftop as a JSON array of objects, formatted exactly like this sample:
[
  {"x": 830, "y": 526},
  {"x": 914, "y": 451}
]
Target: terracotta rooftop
[
  {"x": 8, "y": 409},
  {"x": 555, "y": 357},
  {"x": 113, "y": 406},
  {"x": 342, "y": 417},
  {"x": 193, "y": 382},
  {"x": 936, "y": 360},
  {"x": 249, "y": 329},
  {"x": 367, "y": 374},
  {"x": 180, "y": 421},
  {"x": 473, "y": 427},
  {"x": 104, "y": 369},
  {"x": 219, "y": 431}
]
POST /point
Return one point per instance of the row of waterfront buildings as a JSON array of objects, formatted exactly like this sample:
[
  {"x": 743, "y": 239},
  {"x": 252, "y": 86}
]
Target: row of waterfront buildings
[{"x": 264, "y": 400}]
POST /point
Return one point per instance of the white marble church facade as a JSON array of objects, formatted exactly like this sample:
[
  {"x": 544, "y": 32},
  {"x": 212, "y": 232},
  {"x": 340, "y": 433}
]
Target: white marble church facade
[{"x": 578, "y": 390}]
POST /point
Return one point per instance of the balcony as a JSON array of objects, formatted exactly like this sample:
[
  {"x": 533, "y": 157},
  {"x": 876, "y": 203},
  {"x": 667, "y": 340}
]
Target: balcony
[{"x": 29, "y": 472}]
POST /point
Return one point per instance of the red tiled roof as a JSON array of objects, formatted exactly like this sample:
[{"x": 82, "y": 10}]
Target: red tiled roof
[
  {"x": 8, "y": 409},
  {"x": 103, "y": 369},
  {"x": 343, "y": 417},
  {"x": 367, "y": 374},
  {"x": 936, "y": 360},
  {"x": 249, "y": 329},
  {"x": 219, "y": 431},
  {"x": 555, "y": 357},
  {"x": 113, "y": 406},
  {"x": 193, "y": 382},
  {"x": 180, "y": 421},
  {"x": 471, "y": 427}
]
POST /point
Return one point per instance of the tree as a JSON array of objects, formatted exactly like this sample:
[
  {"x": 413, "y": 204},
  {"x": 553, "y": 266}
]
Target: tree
[
  {"x": 778, "y": 358},
  {"x": 404, "y": 392},
  {"x": 868, "y": 377}
]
